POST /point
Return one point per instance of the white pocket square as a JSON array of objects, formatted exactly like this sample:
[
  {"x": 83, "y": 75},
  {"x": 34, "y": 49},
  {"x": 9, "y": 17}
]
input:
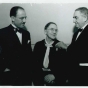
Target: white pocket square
[
  {"x": 56, "y": 49},
  {"x": 6, "y": 70},
  {"x": 28, "y": 41},
  {"x": 83, "y": 64}
]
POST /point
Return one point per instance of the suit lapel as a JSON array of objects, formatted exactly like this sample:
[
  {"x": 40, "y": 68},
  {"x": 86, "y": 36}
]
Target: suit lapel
[
  {"x": 74, "y": 37},
  {"x": 83, "y": 34},
  {"x": 24, "y": 38},
  {"x": 24, "y": 41},
  {"x": 53, "y": 49},
  {"x": 12, "y": 36},
  {"x": 43, "y": 49},
  {"x": 80, "y": 37}
]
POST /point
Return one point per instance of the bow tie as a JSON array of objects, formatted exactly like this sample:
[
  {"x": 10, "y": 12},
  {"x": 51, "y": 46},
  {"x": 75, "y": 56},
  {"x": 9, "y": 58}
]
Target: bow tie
[
  {"x": 79, "y": 30},
  {"x": 18, "y": 30}
]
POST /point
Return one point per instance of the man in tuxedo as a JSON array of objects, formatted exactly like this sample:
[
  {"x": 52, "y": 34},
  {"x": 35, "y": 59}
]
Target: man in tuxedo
[
  {"x": 77, "y": 51},
  {"x": 16, "y": 52},
  {"x": 49, "y": 61}
]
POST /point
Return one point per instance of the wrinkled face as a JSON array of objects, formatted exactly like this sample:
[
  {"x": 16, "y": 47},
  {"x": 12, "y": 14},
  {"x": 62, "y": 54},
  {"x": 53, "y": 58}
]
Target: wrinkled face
[
  {"x": 79, "y": 19},
  {"x": 51, "y": 31},
  {"x": 20, "y": 19}
]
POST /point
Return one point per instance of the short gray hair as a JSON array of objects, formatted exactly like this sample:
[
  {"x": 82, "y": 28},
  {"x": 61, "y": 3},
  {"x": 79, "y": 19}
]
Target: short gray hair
[{"x": 83, "y": 10}]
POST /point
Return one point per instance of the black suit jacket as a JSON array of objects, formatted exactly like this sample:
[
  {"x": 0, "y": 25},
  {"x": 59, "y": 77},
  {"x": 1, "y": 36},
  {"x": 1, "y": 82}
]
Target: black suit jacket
[
  {"x": 78, "y": 53},
  {"x": 56, "y": 60},
  {"x": 14, "y": 55}
]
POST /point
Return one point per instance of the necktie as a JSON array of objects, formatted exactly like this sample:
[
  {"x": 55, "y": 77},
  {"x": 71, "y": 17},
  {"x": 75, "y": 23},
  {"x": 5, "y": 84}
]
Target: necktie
[
  {"x": 18, "y": 30},
  {"x": 46, "y": 58}
]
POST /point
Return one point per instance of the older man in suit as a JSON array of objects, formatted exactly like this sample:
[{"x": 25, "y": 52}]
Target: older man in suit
[
  {"x": 16, "y": 50},
  {"x": 77, "y": 51}
]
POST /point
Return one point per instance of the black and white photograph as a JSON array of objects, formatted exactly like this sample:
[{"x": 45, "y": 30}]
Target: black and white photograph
[{"x": 44, "y": 43}]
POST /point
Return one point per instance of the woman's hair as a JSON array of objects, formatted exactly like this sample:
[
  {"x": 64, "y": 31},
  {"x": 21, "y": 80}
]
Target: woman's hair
[{"x": 48, "y": 24}]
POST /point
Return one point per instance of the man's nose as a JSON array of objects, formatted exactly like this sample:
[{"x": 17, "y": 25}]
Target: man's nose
[
  {"x": 74, "y": 20},
  {"x": 24, "y": 20}
]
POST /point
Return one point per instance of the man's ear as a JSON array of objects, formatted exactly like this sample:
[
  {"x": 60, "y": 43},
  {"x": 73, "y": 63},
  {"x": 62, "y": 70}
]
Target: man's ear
[
  {"x": 85, "y": 18},
  {"x": 12, "y": 18}
]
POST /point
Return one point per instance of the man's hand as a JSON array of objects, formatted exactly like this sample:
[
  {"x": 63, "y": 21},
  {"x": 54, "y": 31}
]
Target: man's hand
[
  {"x": 61, "y": 45},
  {"x": 49, "y": 78}
]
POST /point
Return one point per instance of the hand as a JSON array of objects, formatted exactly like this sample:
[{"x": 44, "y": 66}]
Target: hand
[
  {"x": 61, "y": 45},
  {"x": 49, "y": 78}
]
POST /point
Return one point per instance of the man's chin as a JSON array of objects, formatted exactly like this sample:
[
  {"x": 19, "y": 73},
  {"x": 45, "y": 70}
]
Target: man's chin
[{"x": 77, "y": 26}]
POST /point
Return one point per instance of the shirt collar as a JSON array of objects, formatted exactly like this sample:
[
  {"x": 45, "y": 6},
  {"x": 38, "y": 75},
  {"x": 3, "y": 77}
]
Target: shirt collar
[
  {"x": 13, "y": 25},
  {"x": 49, "y": 43}
]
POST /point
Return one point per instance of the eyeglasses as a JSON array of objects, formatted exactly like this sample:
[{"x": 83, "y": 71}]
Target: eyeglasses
[{"x": 52, "y": 29}]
